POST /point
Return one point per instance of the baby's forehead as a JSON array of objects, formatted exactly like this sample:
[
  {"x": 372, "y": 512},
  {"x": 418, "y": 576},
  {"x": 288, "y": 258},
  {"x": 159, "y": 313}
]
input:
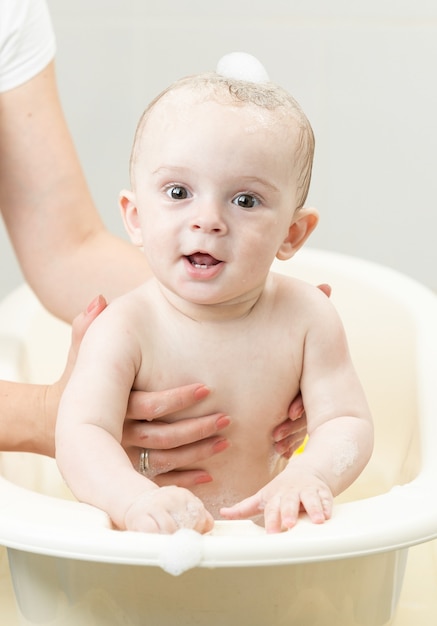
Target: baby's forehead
[
  {"x": 186, "y": 96},
  {"x": 183, "y": 103},
  {"x": 268, "y": 108}
]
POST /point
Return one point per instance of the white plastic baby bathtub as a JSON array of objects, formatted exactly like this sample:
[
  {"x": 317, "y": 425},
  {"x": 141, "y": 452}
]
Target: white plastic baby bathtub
[{"x": 68, "y": 567}]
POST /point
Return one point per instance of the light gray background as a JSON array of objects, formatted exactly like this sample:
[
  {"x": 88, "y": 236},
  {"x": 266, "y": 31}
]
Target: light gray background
[{"x": 365, "y": 73}]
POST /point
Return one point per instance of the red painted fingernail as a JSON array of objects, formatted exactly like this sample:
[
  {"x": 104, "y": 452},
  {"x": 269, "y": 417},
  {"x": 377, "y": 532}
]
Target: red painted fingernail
[
  {"x": 94, "y": 304},
  {"x": 205, "y": 478},
  {"x": 279, "y": 435},
  {"x": 222, "y": 422},
  {"x": 220, "y": 445},
  {"x": 201, "y": 392}
]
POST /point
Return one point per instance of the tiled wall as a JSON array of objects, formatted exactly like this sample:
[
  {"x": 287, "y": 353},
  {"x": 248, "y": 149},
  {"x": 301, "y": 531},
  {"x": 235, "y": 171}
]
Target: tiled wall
[{"x": 365, "y": 72}]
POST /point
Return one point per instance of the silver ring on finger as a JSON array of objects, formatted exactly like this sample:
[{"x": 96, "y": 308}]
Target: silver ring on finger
[{"x": 143, "y": 466}]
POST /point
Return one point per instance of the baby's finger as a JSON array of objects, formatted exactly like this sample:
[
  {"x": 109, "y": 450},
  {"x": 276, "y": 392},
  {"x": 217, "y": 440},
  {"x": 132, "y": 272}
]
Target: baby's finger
[
  {"x": 317, "y": 504},
  {"x": 143, "y": 523},
  {"x": 190, "y": 513},
  {"x": 242, "y": 510},
  {"x": 205, "y": 523},
  {"x": 272, "y": 515},
  {"x": 290, "y": 507}
]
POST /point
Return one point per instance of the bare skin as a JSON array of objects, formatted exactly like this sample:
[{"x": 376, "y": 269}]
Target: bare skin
[
  {"x": 214, "y": 201},
  {"x": 171, "y": 445},
  {"x": 48, "y": 210},
  {"x": 49, "y": 213}
]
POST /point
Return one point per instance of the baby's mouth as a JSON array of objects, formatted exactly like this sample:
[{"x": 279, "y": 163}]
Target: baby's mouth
[{"x": 201, "y": 260}]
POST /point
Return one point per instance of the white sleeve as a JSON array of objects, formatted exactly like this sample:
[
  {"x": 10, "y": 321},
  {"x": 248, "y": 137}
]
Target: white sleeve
[{"x": 27, "y": 41}]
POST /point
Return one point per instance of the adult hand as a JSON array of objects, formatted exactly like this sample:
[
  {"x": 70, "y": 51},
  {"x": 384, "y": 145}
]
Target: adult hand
[
  {"x": 290, "y": 434},
  {"x": 172, "y": 445}
]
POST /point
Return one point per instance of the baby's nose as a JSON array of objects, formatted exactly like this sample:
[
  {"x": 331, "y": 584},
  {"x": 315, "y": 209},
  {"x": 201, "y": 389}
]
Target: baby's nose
[{"x": 209, "y": 219}]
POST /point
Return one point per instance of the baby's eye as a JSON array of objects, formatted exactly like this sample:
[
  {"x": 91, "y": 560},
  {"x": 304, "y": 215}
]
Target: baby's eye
[
  {"x": 176, "y": 192},
  {"x": 246, "y": 201}
]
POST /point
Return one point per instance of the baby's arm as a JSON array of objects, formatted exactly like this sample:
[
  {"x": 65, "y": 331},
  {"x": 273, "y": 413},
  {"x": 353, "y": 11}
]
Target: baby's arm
[
  {"x": 88, "y": 435},
  {"x": 339, "y": 426},
  {"x": 333, "y": 458}
]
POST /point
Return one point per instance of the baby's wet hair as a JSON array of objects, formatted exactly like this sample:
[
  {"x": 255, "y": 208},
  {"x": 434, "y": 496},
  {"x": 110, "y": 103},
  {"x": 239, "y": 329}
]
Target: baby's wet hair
[{"x": 266, "y": 95}]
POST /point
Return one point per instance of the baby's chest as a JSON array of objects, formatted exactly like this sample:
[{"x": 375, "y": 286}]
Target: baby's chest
[{"x": 251, "y": 375}]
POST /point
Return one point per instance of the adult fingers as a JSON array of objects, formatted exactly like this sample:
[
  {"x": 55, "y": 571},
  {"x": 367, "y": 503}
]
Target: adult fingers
[
  {"x": 245, "y": 508},
  {"x": 82, "y": 322},
  {"x": 164, "y": 461},
  {"x": 150, "y": 405},
  {"x": 166, "y": 436},
  {"x": 327, "y": 289},
  {"x": 288, "y": 446}
]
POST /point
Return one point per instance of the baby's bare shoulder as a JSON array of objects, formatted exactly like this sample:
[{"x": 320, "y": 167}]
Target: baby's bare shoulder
[
  {"x": 296, "y": 302},
  {"x": 296, "y": 292},
  {"x": 128, "y": 311}
]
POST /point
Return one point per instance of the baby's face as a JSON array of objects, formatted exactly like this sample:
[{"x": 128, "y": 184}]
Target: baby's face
[{"x": 216, "y": 193}]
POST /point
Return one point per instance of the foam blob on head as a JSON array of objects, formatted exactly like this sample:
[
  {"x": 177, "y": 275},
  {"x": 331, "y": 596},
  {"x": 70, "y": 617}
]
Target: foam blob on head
[{"x": 242, "y": 66}]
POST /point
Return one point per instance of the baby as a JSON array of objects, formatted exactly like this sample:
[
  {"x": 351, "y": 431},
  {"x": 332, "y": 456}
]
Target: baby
[{"x": 220, "y": 171}]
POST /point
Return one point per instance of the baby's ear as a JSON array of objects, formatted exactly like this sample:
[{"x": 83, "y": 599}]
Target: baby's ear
[
  {"x": 303, "y": 224},
  {"x": 131, "y": 219}
]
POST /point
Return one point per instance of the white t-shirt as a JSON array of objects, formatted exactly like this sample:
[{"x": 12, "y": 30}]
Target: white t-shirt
[{"x": 27, "y": 41}]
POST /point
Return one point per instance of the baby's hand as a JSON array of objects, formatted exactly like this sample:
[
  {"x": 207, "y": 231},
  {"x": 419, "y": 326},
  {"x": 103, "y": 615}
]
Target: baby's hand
[
  {"x": 166, "y": 509},
  {"x": 281, "y": 500}
]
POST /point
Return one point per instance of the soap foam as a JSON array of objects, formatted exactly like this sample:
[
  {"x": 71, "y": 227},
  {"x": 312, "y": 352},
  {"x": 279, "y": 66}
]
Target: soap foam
[
  {"x": 183, "y": 551},
  {"x": 242, "y": 66},
  {"x": 345, "y": 455}
]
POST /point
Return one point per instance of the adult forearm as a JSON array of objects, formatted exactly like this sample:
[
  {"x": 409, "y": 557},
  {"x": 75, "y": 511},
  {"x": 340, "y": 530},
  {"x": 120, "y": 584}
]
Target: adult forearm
[
  {"x": 25, "y": 418},
  {"x": 102, "y": 264},
  {"x": 66, "y": 253}
]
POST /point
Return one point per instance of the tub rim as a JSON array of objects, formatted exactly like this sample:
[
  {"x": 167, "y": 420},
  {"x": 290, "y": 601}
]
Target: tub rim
[{"x": 399, "y": 519}]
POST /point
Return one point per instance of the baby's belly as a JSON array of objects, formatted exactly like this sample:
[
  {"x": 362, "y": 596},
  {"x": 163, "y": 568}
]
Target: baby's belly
[
  {"x": 250, "y": 462},
  {"x": 236, "y": 477}
]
